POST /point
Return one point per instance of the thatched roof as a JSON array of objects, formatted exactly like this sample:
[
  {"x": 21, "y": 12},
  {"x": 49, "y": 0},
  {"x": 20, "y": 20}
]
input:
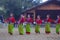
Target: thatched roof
[{"x": 46, "y": 3}]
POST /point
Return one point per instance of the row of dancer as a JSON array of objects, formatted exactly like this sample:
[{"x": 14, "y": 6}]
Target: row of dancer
[{"x": 11, "y": 20}]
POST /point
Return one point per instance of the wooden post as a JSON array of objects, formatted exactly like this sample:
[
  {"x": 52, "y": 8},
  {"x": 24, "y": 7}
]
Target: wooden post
[
  {"x": 34, "y": 15},
  {"x": 25, "y": 15}
]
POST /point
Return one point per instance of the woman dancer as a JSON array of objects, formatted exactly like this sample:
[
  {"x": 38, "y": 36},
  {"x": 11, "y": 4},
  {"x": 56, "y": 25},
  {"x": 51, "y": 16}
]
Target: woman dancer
[
  {"x": 38, "y": 23},
  {"x": 47, "y": 26},
  {"x": 20, "y": 24},
  {"x": 11, "y": 21},
  {"x": 29, "y": 20},
  {"x": 58, "y": 24}
]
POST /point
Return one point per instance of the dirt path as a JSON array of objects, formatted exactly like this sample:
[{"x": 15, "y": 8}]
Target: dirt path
[{"x": 33, "y": 36}]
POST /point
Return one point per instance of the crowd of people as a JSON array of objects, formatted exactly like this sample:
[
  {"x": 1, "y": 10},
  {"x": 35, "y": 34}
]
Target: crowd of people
[{"x": 28, "y": 21}]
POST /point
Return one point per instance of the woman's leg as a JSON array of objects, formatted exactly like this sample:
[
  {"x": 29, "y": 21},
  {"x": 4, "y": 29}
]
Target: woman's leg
[
  {"x": 21, "y": 29},
  {"x": 37, "y": 29},
  {"x": 28, "y": 30},
  {"x": 57, "y": 28},
  {"x": 47, "y": 28}
]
